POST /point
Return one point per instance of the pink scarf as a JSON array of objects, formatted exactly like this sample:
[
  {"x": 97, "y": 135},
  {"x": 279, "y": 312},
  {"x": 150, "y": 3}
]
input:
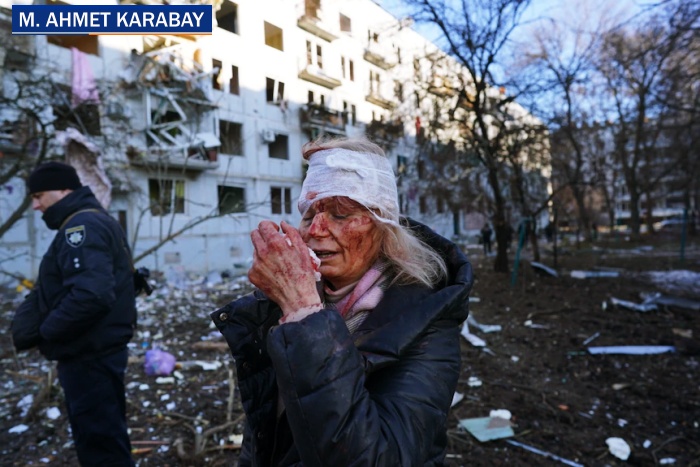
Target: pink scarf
[{"x": 367, "y": 292}]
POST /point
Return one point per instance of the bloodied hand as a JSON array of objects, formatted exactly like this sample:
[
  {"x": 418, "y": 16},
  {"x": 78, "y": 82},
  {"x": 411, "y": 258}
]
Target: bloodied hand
[{"x": 282, "y": 267}]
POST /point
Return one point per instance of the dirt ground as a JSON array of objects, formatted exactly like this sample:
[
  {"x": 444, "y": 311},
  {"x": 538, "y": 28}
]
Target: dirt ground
[{"x": 563, "y": 400}]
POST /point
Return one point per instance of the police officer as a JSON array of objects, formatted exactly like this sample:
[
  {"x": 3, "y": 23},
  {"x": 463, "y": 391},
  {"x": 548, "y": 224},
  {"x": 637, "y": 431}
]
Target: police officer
[{"x": 85, "y": 302}]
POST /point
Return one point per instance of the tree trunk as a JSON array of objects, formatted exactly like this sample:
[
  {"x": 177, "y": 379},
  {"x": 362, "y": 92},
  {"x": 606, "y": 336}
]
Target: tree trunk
[
  {"x": 583, "y": 219},
  {"x": 634, "y": 213},
  {"x": 503, "y": 230}
]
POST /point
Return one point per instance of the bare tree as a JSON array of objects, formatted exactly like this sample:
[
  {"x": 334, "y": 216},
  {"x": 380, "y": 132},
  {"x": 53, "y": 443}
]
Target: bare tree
[
  {"x": 490, "y": 123},
  {"x": 635, "y": 66},
  {"x": 563, "y": 54}
]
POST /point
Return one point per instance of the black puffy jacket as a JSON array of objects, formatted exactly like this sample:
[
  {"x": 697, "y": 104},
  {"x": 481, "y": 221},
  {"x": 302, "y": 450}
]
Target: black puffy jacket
[
  {"x": 377, "y": 397},
  {"x": 85, "y": 287}
]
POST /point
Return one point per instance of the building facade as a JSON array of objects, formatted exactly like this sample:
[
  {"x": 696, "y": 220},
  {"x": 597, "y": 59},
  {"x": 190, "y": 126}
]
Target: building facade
[{"x": 194, "y": 140}]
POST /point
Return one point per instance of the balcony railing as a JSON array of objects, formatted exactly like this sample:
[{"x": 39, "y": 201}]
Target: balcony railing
[
  {"x": 385, "y": 131},
  {"x": 377, "y": 58},
  {"x": 175, "y": 158},
  {"x": 321, "y": 119},
  {"x": 316, "y": 75},
  {"x": 377, "y": 99},
  {"x": 316, "y": 27}
]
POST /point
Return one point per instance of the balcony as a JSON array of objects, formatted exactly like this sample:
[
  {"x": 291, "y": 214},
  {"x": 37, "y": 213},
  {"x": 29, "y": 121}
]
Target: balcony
[
  {"x": 198, "y": 153},
  {"x": 317, "y": 119},
  {"x": 314, "y": 74},
  {"x": 442, "y": 87},
  {"x": 316, "y": 27},
  {"x": 385, "y": 132},
  {"x": 375, "y": 98},
  {"x": 165, "y": 159},
  {"x": 376, "y": 58}
]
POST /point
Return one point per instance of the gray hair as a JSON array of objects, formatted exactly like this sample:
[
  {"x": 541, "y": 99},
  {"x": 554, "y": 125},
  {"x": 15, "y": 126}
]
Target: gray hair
[{"x": 413, "y": 261}]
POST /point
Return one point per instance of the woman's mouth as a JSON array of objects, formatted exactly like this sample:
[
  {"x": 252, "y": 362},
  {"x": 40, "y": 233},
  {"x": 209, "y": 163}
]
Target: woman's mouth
[{"x": 324, "y": 254}]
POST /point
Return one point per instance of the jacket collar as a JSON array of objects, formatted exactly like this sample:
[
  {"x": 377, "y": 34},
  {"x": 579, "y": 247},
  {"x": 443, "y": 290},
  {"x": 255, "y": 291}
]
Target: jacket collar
[
  {"x": 405, "y": 311},
  {"x": 82, "y": 198}
]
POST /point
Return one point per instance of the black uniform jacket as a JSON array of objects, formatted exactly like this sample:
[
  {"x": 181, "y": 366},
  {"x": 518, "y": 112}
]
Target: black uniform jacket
[
  {"x": 377, "y": 397},
  {"x": 85, "y": 288}
]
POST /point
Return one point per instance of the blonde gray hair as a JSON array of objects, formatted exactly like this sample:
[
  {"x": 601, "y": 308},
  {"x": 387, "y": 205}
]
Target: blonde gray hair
[{"x": 413, "y": 261}]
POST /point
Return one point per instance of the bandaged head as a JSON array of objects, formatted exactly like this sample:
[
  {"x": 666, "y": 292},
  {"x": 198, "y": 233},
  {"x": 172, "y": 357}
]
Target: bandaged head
[{"x": 363, "y": 177}]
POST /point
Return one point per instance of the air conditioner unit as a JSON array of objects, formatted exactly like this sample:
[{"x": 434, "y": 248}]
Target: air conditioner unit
[{"x": 268, "y": 136}]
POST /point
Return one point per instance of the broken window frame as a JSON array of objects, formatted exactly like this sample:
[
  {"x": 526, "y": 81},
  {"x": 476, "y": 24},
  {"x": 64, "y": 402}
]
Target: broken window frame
[
  {"x": 227, "y": 16},
  {"x": 85, "y": 117},
  {"x": 231, "y": 137},
  {"x": 279, "y": 148},
  {"x": 274, "y": 91},
  {"x": 166, "y": 196},
  {"x": 215, "y": 76},
  {"x": 231, "y": 199}
]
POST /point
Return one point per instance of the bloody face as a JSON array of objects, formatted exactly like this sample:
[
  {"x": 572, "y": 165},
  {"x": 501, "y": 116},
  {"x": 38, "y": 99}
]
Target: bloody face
[{"x": 344, "y": 236}]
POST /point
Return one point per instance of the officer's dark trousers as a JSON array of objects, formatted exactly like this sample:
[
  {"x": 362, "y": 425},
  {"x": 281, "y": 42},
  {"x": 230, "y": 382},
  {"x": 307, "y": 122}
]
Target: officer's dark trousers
[{"x": 94, "y": 391}]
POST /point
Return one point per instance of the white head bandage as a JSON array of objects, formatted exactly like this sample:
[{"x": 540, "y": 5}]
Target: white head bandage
[{"x": 365, "y": 178}]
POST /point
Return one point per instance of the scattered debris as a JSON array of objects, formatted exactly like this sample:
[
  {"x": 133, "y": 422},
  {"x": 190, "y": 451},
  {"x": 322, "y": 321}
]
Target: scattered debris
[
  {"x": 206, "y": 366},
  {"x": 474, "y": 382},
  {"x": 528, "y": 323},
  {"x": 633, "y": 306},
  {"x": 619, "y": 448},
  {"x": 471, "y": 338},
  {"x": 209, "y": 345},
  {"x": 485, "y": 328},
  {"x": 542, "y": 269},
  {"x": 687, "y": 333},
  {"x": 489, "y": 428},
  {"x": 592, "y": 274},
  {"x": 21, "y": 428},
  {"x": 544, "y": 453},
  {"x": 591, "y": 338},
  {"x": 456, "y": 398},
  {"x": 632, "y": 349},
  {"x": 667, "y": 300},
  {"x": 620, "y": 386},
  {"x": 159, "y": 362},
  {"x": 682, "y": 282},
  {"x": 53, "y": 413}
]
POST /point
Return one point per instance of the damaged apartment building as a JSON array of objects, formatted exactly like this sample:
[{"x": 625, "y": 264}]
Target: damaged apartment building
[{"x": 191, "y": 141}]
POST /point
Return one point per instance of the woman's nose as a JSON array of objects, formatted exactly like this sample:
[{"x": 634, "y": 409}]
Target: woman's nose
[{"x": 319, "y": 225}]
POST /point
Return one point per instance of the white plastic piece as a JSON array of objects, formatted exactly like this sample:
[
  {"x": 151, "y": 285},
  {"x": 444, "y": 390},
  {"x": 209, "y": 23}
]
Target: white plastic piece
[{"x": 619, "y": 448}]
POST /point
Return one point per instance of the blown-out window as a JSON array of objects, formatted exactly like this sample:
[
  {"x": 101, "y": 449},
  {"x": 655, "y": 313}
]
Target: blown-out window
[{"x": 166, "y": 196}]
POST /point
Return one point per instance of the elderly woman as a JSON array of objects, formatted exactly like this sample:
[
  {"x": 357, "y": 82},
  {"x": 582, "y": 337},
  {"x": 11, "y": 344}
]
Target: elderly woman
[{"x": 359, "y": 368}]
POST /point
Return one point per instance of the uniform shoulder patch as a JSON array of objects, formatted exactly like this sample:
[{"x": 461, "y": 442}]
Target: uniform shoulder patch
[{"x": 75, "y": 236}]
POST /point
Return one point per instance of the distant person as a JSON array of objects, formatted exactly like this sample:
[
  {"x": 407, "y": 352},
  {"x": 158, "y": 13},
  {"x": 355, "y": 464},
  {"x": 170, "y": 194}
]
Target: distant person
[
  {"x": 486, "y": 233},
  {"x": 82, "y": 312},
  {"x": 594, "y": 231},
  {"x": 360, "y": 367},
  {"x": 549, "y": 232}
]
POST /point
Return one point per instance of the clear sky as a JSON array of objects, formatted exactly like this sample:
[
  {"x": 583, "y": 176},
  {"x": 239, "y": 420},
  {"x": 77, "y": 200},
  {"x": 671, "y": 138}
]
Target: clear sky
[{"x": 575, "y": 13}]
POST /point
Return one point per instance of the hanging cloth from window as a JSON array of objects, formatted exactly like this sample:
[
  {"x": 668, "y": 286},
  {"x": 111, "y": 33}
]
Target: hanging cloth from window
[{"x": 83, "y": 85}]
